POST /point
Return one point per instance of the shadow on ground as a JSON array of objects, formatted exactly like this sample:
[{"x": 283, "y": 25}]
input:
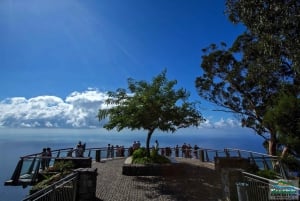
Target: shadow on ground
[{"x": 189, "y": 182}]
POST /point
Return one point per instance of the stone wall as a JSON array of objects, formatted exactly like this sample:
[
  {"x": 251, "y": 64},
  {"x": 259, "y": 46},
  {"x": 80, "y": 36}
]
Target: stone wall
[
  {"x": 231, "y": 174},
  {"x": 86, "y": 184},
  {"x": 231, "y": 162},
  {"x": 229, "y": 178}
]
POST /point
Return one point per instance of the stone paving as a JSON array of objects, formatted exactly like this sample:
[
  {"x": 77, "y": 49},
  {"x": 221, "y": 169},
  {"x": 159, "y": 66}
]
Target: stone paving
[{"x": 194, "y": 181}]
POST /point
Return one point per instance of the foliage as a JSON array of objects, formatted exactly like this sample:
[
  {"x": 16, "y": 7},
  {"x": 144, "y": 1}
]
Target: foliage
[
  {"x": 140, "y": 157},
  {"x": 285, "y": 117},
  {"x": 61, "y": 169},
  {"x": 158, "y": 158},
  {"x": 269, "y": 174},
  {"x": 63, "y": 166},
  {"x": 150, "y": 106},
  {"x": 247, "y": 78},
  {"x": 292, "y": 163},
  {"x": 276, "y": 23},
  {"x": 45, "y": 183}
]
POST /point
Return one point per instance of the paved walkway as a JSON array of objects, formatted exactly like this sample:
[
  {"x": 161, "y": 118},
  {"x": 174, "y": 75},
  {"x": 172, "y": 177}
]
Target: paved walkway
[{"x": 194, "y": 181}]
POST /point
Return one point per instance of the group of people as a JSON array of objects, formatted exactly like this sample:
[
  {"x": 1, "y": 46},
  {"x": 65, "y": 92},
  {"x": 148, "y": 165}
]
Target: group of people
[
  {"x": 46, "y": 158},
  {"x": 187, "y": 151},
  {"x": 78, "y": 150},
  {"x": 118, "y": 151},
  {"x": 135, "y": 145}
]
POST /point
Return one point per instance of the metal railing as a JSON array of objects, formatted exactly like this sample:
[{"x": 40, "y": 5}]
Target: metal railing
[
  {"x": 261, "y": 160},
  {"x": 64, "y": 189},
  {"x": 256, "y": 188},
  {"x": 28, "y": 168}
]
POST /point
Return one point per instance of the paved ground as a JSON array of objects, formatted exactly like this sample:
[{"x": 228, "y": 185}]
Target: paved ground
[{"x": 194, "y": 181}]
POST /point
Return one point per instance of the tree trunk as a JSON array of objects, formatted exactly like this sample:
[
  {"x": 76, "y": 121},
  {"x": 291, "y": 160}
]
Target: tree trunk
[
  {"x": 284, "y": 152},
  {"x": 272, "y": 144},
  {"x": 148, "y": 142}
]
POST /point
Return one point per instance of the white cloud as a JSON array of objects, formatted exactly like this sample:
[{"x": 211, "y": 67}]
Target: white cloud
[
  {"x": 222, "y": 123},
  {"x": 78, "y": 110}
]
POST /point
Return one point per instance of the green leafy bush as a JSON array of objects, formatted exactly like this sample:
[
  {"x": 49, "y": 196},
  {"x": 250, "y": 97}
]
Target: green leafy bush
[
  {"x": 269, "y": 174},
  {"x": 140, "y": 157},
  {"x": 63, "y": 166}
]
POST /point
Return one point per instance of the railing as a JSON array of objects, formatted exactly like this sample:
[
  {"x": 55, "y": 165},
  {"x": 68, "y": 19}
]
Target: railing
[
  {"x": 64, "y": 189},
  {"x": 262, "y": 161},
  {"x": 256, "y": 188},
  {"x": 29, "y": 167}
]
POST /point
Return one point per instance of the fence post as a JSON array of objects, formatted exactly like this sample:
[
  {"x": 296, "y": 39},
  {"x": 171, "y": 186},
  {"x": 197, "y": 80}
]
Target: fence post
[
  {"x": 201, "y": 155},
  {"x": 98, "y": 155}
]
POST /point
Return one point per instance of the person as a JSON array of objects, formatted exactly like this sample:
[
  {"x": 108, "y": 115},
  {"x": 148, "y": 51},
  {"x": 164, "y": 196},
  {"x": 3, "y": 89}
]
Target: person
[
  {"x": 196, "y": 151},
  {"x": 156, "y": 146},
  {"x": 112, "y": 151},
  {"x": 79, "y": 149},
  {"x": 134, "y": 146},
  {"x": 49, "y": 155},
  {"x": 122, "y": 151},
  {"x": 177, "y": 151},
  {"x": 189, "y": 151},
  {"x": 43, "y": 158},
  {"x": 183, "y": 150},
  {"x": 168, "y": 151},
  {"x": 108, "y": 151}
]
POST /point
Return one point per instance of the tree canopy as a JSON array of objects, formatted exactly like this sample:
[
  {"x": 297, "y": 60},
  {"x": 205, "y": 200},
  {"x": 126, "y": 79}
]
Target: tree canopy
[
  {"x": 249, "y": 77},
  {"x": 150, "y": 106}
]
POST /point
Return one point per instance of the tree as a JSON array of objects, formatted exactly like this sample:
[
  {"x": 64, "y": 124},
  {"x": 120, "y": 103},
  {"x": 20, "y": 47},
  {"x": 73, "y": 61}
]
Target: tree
[
  {"x": 285, "y": 116},
  {"x": 150, "y": 106},
  {"x": 247, "y": 78}
]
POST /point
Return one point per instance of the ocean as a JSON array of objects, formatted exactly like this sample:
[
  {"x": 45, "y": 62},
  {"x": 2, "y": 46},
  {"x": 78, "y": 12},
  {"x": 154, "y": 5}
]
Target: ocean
[{"x": 19, "y": 142}]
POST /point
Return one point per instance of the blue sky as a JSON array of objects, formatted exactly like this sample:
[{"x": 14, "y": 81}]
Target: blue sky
[{"x": 59, "y": 55}]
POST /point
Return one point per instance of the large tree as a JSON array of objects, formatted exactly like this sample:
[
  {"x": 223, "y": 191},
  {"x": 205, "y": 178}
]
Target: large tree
[
  {"x": 285, "y": 117},
  {"x": 247, "y": 78},
  {"x": 150, "y": 106}
]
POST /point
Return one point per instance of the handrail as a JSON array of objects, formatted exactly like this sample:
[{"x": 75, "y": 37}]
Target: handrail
[
  {"x": 99, "y": 153},
  {"x": 259, "y": 188},
  {"x": 252, "y": 152},
  {"x": 71, "y": 178}
]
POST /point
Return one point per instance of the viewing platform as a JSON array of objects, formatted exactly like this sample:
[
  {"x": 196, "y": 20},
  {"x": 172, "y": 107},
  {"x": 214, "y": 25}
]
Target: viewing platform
[
  {"x": 194, "y": 181},
  {"x": 202, "y": 174}
]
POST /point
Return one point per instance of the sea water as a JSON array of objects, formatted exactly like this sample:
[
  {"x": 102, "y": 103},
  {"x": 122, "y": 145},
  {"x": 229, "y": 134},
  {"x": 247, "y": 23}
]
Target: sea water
[{"x": 19, "y": 142}]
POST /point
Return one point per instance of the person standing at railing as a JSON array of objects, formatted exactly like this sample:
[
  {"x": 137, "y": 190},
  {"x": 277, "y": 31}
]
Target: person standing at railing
[
  {"x": 108, "y": 151},
  {"x": 183, "y": 150},
  {"x": 49, "y": 155},
  {"x": 196, "y": 151},
  {"x": 177, "y": 151},
  {"x": 79, "y": 149},
  {"x": 43, "y": 158},
  {"x": 112, "y": 151},
  {"x": 156, "y": 145}
]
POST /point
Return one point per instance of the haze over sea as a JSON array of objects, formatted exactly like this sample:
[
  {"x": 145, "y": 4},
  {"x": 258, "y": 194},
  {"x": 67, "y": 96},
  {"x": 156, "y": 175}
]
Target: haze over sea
[{"x": 19, "y": 142}]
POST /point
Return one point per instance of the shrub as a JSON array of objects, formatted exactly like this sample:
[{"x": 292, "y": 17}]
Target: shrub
[
  {"x": 63, "y": 166},
  {"x": 269, "y": 174},
  {"x": 140, "y": 157}
]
